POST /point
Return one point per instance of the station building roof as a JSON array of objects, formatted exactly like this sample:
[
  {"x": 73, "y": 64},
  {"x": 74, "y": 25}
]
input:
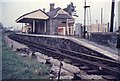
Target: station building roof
[
  {"x": 59, "y": 13},
  {"x": 34, "y": 15}
]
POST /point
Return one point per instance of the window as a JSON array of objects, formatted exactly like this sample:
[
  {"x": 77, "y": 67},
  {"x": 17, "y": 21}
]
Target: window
[{"x": 64, "y": 22}]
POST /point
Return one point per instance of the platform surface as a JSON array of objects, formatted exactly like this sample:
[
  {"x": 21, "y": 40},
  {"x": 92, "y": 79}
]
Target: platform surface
[{"x": 112, "y": 53}]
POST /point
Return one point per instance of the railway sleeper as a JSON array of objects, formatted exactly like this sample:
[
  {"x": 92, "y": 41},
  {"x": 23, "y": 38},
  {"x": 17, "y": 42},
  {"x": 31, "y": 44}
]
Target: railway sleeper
[
  {"x": 53, "y": 52},
  {"x": 110, "y": 77},
  {"x": 111, "y": 70}
]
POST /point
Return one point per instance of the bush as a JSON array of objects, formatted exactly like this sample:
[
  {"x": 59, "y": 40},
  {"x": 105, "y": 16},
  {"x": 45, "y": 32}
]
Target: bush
[{"x": 18, "y": 67}]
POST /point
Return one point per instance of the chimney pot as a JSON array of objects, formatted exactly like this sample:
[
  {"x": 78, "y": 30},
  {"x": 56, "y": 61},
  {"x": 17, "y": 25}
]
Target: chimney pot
[
  {"x": 43, "y": 9},
  {"x": 52, "y": 6}
]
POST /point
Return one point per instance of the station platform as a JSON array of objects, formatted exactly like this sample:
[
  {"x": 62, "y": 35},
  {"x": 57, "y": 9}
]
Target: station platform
[
  {"x": 107, "y": 51},
  {"x": 113, "y": 53}
]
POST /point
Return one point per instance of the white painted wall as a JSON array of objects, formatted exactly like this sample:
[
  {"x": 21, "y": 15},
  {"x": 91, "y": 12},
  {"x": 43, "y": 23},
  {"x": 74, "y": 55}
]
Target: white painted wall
[{"x": 78, "y": 29}]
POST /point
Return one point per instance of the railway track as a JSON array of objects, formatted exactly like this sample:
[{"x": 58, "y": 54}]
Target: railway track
[{"x": 92, "y": 65}]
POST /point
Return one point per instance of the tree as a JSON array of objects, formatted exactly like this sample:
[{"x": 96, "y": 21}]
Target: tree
[
  {"x": 1, "y": 26},
  {"x": 71, "y": 9}
]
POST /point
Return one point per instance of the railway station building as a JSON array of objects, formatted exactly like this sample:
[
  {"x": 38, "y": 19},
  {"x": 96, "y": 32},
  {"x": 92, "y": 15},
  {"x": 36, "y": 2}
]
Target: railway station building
[
  {"x": 55, "y": 22},
  {"x": 35, "y": 22},
  {"x": 60, "y": 22}
]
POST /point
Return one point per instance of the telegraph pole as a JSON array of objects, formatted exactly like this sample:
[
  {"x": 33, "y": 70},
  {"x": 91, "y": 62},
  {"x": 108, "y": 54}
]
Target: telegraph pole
[
  {"x": 85, "y": 8},
  {"x": 84, "y": 20},
  {"x": 101, "y": 17},
  {"x": 112, "y": 16}
]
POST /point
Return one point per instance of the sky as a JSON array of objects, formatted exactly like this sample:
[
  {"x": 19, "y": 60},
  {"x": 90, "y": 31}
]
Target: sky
[{"x": 12, "y": 9}]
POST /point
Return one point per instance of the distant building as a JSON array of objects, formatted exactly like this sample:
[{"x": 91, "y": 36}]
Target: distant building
[
  {"x": 37, "y": 21},
  {"x": 56, "y": 21},
  {"x": 97, "y": 28},
  {"x": 12, "y": 29},
  {"x": 26, "y": 29},
  {"x": 78, "y": 29}
]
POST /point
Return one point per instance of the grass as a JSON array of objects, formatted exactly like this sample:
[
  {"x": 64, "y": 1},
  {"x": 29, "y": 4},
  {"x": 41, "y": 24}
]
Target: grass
[{"x": 18, "y": 67}]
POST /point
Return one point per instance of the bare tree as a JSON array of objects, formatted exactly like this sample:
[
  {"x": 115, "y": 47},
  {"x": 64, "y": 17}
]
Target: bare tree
[
  {"x": 1, "y": 26},
  {"x": 71, "y": 9}
]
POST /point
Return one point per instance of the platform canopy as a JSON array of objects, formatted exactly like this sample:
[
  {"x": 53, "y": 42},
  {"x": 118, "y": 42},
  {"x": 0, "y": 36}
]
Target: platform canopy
[{"x": 34, "y": 15}]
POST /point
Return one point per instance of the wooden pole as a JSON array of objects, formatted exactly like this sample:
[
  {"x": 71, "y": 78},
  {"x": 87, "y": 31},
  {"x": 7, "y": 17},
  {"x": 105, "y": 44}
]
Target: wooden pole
[
  {"x": 112, "y": 16},
  {"x": 59, "y": 70},
  {"x": 101, "y": 17},
  {"x": 84, "y": 20}
]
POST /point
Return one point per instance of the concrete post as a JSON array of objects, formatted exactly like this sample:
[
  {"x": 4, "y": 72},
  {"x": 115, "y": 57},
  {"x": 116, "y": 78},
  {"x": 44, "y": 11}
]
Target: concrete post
[
  {"x": 66, "y": 27},
  {"x": 45, "y": 26},
  {"x": 71, "y": 30},
  {"x": 33, "y": 26}
]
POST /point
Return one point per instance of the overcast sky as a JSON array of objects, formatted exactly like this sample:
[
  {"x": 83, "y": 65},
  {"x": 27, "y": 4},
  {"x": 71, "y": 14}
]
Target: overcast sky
[{"x": 12, "y": 9}]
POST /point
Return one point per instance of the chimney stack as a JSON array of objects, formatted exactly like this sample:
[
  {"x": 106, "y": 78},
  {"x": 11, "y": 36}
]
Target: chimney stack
[
  {"x": 52, "y": 6},
  {"x": 43, "y": 9}
]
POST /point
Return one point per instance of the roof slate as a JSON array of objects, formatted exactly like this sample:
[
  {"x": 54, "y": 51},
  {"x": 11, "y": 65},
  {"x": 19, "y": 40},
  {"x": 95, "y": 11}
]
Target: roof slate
[
  {"x": 53, "y": 14},
  {"x": 66, "y": 16}
]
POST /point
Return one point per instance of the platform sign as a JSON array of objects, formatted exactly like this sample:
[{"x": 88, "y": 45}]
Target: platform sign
[{"x": 61, "y": 30}]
